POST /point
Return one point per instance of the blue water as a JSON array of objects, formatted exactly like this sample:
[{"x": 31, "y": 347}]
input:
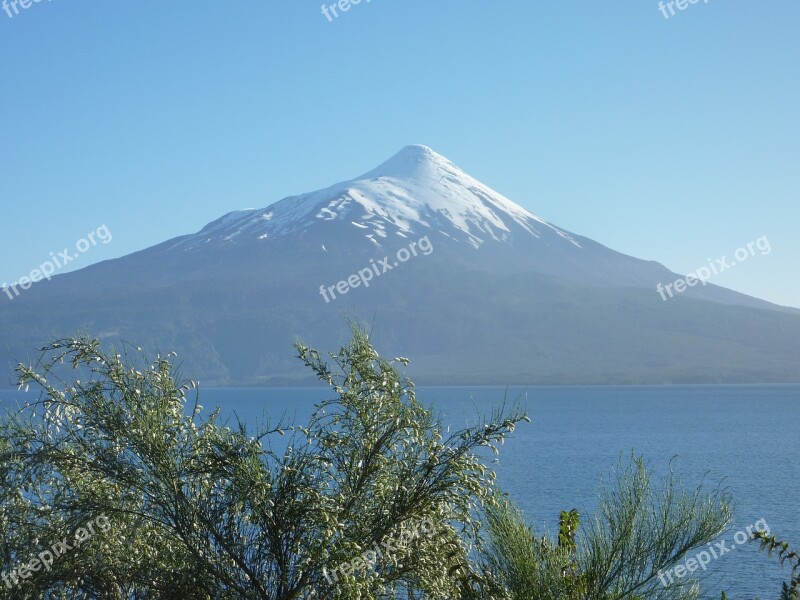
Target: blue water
[{"x": 744, "y": 435}]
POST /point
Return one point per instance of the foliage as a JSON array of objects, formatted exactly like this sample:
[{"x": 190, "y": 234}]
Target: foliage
[
  {"x": 638, "y": 533},
  {"x": 368, "y": 500},
  {"x": 770, "y": 543},
  {"x": 201, "y": 509}
]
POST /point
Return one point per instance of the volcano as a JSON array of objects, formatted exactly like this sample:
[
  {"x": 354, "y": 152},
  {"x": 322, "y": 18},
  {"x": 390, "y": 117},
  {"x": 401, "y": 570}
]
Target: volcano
[{"x": 470, "y": 285}]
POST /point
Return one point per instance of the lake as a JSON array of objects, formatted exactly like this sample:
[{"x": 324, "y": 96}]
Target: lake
[{"x": 744, "y": 435}]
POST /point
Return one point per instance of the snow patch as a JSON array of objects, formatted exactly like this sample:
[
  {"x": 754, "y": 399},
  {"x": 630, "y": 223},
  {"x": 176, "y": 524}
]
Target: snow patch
[{"x": 415, "y": 190}]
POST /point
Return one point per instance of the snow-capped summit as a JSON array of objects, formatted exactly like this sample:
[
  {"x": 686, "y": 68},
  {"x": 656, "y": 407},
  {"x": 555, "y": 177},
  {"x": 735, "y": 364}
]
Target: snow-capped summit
[
  {"x": 417, "y": 191},
  {"x": 502, "y": 296},
  {"x": 412, "y": 162}
]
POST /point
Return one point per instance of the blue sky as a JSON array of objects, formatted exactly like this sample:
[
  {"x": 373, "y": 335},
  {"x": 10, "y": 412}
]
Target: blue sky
[{"x": 675, "y": 140}]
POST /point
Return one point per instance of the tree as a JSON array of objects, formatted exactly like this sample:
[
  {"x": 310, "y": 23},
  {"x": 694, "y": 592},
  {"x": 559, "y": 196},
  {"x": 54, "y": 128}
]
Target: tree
[
  {"x": 116, "y": 486},
  {"x": 626, "y": 552},
  {"x": 367, "y": 501}
]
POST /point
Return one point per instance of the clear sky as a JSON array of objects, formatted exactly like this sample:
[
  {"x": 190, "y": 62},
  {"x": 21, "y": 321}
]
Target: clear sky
[{"x": 673, "y": 139}]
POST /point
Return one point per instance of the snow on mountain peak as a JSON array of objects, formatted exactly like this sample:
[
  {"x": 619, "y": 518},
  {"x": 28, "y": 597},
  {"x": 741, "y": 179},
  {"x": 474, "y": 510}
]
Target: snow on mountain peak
[
  {"x": 412, "y": 162},
  {"x": 417, "y": 191}
]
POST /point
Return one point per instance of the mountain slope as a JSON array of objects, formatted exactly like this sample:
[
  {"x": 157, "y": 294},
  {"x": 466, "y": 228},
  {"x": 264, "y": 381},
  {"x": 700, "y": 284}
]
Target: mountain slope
[{"x": 494, "y": 295}]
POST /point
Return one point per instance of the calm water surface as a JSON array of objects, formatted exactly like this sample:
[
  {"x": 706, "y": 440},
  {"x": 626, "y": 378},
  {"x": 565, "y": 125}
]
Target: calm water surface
[{"x": 744, "y": 435}]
